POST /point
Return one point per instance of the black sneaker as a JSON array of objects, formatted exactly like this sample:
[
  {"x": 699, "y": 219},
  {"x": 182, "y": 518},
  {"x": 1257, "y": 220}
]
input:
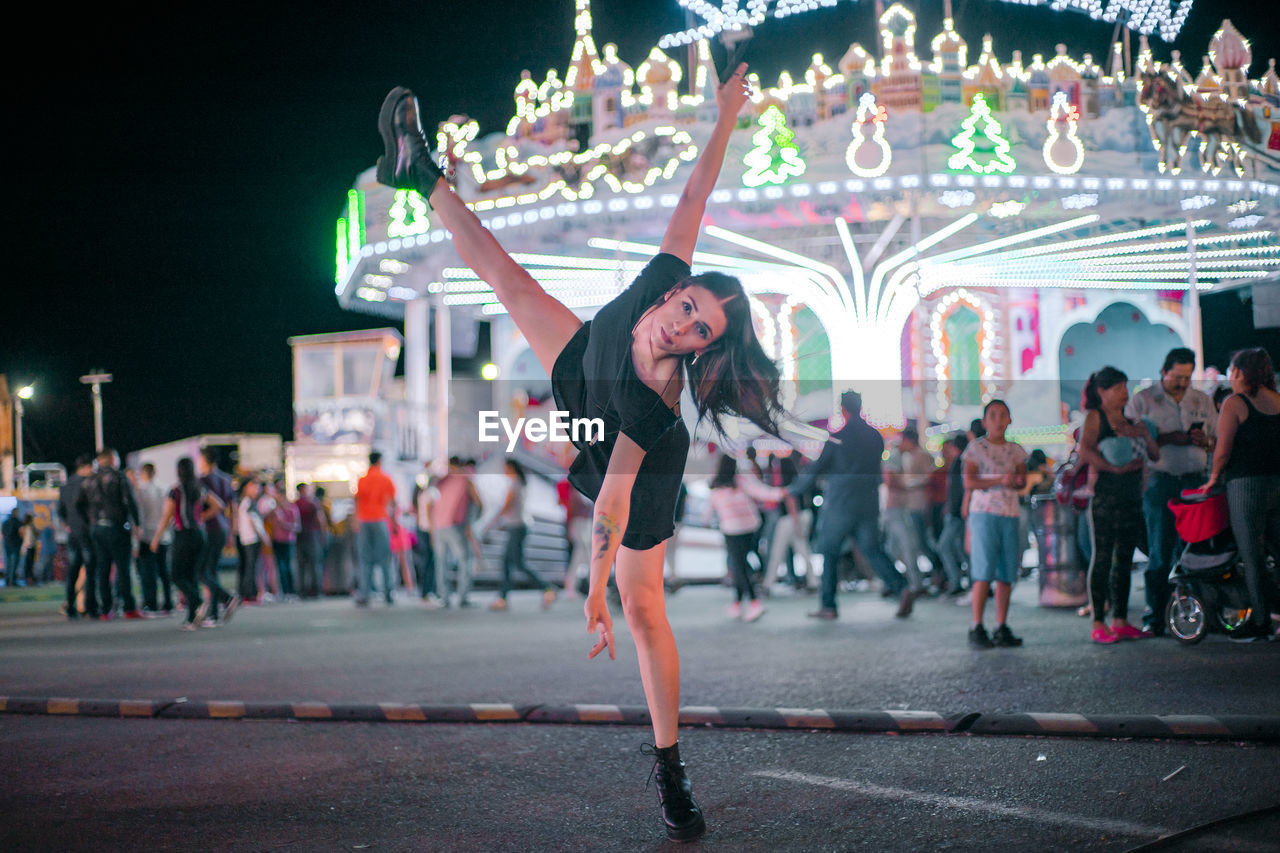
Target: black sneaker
[
  {"x": 1005, "y": 639},
  {"x": 978, "y": 638},
  {"x": 406, "y": 162}
]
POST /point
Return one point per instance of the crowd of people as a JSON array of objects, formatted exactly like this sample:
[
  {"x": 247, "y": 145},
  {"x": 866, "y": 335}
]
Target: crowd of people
[{"x": 890, "y": 517}]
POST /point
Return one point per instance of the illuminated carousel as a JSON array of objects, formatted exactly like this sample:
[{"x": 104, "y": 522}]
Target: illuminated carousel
[{"x": 931, "y": 230}]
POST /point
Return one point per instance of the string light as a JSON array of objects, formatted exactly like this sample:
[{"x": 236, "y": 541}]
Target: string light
[
  {"x": 1061, "y": 112},
  {"x": 963, "y": 159}
]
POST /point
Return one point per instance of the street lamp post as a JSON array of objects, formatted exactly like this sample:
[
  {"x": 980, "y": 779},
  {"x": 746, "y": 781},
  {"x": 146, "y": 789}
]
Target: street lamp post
[
  {"x": 26, "y": 392},
  {"x": 96, "y": 380}
]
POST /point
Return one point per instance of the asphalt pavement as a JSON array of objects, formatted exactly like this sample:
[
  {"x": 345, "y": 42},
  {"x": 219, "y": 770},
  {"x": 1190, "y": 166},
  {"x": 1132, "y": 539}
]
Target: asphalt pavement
[{"x": 294, "y": 780}]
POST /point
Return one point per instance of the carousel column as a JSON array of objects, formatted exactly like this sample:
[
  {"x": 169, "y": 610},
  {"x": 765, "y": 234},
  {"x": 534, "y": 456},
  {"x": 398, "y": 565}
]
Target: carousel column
[
  {"x": 1193, "y": 304},
  {"x": 417, "y": 368},
  {"x": 444, "y": 374}
]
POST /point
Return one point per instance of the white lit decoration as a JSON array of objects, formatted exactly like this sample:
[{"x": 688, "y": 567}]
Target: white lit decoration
[
  {"x": 869, "y": 158},
  {"x": 1079, "y": 201},
  {"x": 1005, "y": 209},
  {"x": 408, "y": 214},
  {"x": 938, "y": 341},
  {"x": 981, "y": 121},
  {"x": 775, "y": 157},
  {"x": 1063, "y": 151},
  {"x": 957, "y": 198},
  {"x": 1143, "y": 16}
]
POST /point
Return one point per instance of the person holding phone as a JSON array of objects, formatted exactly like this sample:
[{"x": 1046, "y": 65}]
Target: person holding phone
[{"x": 1184, "y": 423}]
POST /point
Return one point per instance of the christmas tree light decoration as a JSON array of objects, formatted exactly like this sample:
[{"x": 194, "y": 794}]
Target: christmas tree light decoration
[
  {"x": 980, "y": 118},
  {"x": 775, "y": 156},
  {"x": 408, "y": 214},
  {"x": 869, "y": 160},
  {"x": 1063, "y": 151}
]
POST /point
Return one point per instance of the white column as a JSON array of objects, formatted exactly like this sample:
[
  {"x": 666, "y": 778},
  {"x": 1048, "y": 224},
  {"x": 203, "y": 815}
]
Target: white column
[
  {"x": 1193, "y": 305},
  {"x": 444, "y": 373},
  {"x": 417, "y": 368}
]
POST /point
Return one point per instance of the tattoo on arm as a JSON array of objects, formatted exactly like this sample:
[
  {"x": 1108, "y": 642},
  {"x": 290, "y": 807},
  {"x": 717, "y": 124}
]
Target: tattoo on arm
[{"x": 603, "y": 533}]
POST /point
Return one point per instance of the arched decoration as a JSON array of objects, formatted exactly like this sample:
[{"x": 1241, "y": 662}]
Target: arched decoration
[
  {"x": 1122, "y": 335},
  {"x": 962, "y": 332}
]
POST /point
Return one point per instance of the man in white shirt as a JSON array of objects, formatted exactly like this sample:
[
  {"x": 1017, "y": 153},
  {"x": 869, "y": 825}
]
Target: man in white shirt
[
  {"x": 1185, "y": 423},
  {"x": 153, "y": 565}
]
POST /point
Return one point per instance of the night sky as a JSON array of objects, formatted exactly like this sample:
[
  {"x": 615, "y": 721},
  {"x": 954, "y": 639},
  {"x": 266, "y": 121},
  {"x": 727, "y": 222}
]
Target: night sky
[{"x": 179, "y": 173}]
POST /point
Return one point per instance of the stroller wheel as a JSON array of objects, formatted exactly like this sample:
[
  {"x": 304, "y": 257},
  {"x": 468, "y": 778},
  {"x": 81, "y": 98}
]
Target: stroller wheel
[{"x": 1185, "y": 617}]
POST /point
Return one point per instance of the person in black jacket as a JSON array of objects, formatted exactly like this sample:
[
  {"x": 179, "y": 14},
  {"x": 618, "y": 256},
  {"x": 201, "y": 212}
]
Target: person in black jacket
[
  {"x": 850, "y": 466},
  {"x": 79, "y": 544},
  {"x": 107, "y": 500}
]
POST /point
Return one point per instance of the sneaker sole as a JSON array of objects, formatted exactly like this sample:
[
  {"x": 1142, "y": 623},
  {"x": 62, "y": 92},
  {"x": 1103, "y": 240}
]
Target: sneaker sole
[
  {"x": 689, "y": 833},
  {"x": 385, "y": 171}
]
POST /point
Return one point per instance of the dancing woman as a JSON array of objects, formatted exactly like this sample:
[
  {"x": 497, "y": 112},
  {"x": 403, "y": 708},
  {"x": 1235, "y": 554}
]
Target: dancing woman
[{"x": 626, "y": 366}]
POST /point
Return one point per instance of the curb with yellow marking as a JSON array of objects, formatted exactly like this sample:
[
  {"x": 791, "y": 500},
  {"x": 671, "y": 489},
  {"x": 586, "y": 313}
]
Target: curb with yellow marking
[{"x": 1233, "y": 727}]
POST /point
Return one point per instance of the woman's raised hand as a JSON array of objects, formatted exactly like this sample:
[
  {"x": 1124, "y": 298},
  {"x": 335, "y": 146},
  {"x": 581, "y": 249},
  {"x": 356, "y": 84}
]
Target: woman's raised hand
[
  {"x": 600, "y": 623},
  {"x": 733, "y": 93}
]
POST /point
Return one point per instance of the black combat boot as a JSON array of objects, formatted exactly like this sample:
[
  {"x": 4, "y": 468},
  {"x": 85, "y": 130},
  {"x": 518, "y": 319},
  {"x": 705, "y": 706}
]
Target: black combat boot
[
  {"x": 680, "y": 813},
  {"x": 407, "y": 163}
]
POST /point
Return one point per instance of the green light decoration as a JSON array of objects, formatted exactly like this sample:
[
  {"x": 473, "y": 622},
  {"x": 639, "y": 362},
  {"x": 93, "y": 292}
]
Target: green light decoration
[
  {"x": 341, "y": 259},
  {"x": 994, "y": 145},
  {"x": 775, "y": 156},
  {"x": 408, "y": 214},
  {"x": 355, "y": 223}
]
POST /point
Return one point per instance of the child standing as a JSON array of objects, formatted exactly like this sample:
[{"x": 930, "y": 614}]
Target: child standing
[
  {"x": 733, "y": 498},
  {"x": 994, "y": 470}
]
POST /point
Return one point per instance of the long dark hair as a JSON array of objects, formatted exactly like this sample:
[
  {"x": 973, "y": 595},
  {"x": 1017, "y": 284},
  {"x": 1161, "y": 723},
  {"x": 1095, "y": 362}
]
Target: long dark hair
[
  {"x": 1255, "y": 369},
  {"x": 732, "y": 376},
  {"x": 726, "y": 472},
  {"x": 190, "y": 486},
  {"x": 518, "y": 470},
  {"x": 1101, "y": 380}
]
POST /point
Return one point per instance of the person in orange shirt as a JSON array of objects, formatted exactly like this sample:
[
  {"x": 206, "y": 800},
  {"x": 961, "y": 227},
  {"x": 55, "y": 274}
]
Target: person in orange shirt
[{"x": 375, "y": 501}]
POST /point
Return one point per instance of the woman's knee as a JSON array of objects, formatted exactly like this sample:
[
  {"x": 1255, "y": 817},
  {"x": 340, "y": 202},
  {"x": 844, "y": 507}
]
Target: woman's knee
[{"x": 644, "y": 609}]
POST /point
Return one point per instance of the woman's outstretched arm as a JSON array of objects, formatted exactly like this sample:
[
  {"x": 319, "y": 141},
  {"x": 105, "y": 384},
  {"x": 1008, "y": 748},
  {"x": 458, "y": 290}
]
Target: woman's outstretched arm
[
  {"x": 686, "y": 222},
  {"x": 612, "y": 510},
  {"x": 543, "y": 320}
]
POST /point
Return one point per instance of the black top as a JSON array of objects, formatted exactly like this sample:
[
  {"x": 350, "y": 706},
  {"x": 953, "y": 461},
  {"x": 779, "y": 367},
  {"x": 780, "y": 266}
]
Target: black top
[
  {"x": 69, "y": 509},
  {"x": 955, "y": 488},
  {"x": 1128, "y": 486},
  {"x": 1254, "y": 454},
  {"x": 594, "y": 377},
  {"x": 107, "y": 499},
  {"x": 850, "y": 467}
]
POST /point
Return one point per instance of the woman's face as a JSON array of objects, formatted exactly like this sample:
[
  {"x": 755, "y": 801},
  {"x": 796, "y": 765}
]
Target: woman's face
[
  {"x": 1236, "y": 377},
  {"x": 689, "y": 321},
  {"x": 1115, "y": 397}
]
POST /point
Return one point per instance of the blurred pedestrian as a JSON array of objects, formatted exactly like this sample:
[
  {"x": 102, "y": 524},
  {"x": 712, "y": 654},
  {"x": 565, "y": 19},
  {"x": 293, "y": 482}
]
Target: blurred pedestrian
[
  {"x": 217, "y": 528},
  {"x": 577, "y": 521},
  {"x": 452, "y": 497},
  {"x": 1117, "y": 448},
  {"x": 30, "y": 547},
  {"x": 951, "y": 548},
  {"x": 734, "y": 497},
  {"x": 283, "y": 525},
  {"x": 906, "y": 476},
  {"x": 1185, "y": 422},
  {"x": 311, "y": 535},
  {"x": 424, "y": 552},
  {"x": 850, "y": 466},
  {"x": 250, "y": 534},
  {"x": 153, "y": 563},
  {"x": 1247, "y": 460},
  {"x": 513, "y": 520},
  {"x": 994, "y": 469},
  {"x": 12, "y": 533},
  {"x": 790, "y": 533},
  {"x": 189, "y": 506},
  {"x": 79, "y": 546},
  {"x": 375, "y": 504},
  {"x": 108, "y": 500}
]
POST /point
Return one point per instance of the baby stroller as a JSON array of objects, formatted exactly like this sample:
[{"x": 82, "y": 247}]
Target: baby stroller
[{"x": 1208, "y": 578}]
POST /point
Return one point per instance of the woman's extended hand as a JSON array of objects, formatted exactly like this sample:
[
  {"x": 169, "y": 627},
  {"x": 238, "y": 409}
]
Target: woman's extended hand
[
  {"x": 599, "y": 622},
  {"x": 733, "y": 93}
]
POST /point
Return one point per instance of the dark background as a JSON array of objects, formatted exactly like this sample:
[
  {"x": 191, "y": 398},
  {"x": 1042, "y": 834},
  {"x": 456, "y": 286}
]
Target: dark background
[{"x": 178, "y": 174}]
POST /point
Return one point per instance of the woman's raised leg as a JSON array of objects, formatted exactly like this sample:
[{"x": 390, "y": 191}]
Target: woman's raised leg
[{"x": 543, "y": 320}]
